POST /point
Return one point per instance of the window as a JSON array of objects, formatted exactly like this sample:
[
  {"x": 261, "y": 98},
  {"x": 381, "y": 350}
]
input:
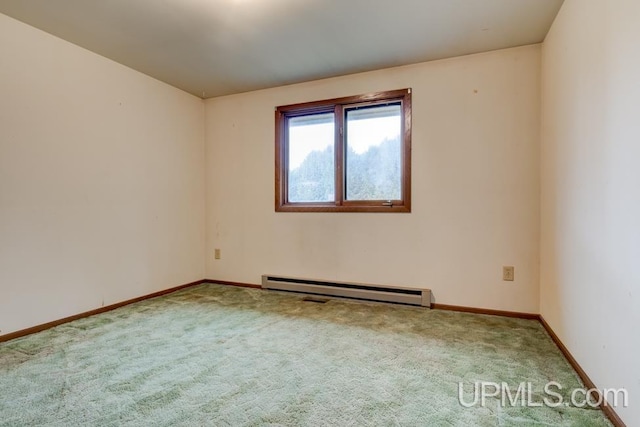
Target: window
[{"x": 345, "y": 155}]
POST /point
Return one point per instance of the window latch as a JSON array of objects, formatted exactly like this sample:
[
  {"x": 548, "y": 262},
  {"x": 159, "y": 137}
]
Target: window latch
[{"x": 388, "y": 203}]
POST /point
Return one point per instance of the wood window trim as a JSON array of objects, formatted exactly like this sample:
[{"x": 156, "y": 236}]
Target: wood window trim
[{"x": 337, "y": 106}]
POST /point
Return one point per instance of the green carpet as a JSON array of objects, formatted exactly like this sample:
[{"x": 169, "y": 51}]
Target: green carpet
[{"x": 225, "y": 356}]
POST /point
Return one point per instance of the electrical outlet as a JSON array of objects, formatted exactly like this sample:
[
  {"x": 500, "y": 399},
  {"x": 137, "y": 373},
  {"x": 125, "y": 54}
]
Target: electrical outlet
[
  {"x": 508, "y": 273},
  {"x": 216, "y": 253}
]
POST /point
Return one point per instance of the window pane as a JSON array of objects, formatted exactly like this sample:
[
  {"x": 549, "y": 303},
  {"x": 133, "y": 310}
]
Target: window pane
[
  {"x": 374, "y": 153},
  {"x": 311, "y": 158}
]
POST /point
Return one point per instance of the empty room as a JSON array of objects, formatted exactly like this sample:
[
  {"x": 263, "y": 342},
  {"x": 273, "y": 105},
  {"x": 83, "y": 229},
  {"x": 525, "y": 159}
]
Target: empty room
[{"x": 319, "y": 213}]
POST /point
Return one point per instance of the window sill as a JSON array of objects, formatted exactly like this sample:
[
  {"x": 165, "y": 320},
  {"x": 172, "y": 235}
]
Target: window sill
[{"x": 334, "y": 208}]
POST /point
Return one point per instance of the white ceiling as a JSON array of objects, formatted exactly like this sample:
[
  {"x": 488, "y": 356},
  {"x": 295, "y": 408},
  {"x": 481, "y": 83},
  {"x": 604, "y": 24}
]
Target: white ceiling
[{"x": 219, "y": 47}]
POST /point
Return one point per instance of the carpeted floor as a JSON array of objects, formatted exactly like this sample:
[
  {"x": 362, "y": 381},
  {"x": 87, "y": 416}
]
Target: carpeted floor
[{"x": 225, "y": 356}]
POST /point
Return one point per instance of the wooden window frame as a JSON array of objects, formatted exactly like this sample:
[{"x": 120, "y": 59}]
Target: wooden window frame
[{"x": 338, "y": 106}]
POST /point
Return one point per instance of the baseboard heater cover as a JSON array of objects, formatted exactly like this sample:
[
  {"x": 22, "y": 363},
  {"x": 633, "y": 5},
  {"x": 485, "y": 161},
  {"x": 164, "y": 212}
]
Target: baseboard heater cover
[{"x": 395, "y": 294}]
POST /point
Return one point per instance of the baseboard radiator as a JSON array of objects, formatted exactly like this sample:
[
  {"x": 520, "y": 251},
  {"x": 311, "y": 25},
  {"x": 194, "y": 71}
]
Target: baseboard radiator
[{"x": 395, "y": 294}]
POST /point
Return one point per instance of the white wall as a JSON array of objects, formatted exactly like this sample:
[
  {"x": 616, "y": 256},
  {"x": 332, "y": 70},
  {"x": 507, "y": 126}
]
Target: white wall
[
  {"x": 590, "y": 265},
  {"x": 475, "y": 187},
  {"x": 101, "y": 181}
]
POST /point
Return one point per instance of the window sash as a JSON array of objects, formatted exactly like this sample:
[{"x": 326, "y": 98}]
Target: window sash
[{"x": 340, "y": 107}]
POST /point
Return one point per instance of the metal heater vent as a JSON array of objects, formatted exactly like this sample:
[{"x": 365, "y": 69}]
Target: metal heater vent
[{"x": 395, "y": 294}]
